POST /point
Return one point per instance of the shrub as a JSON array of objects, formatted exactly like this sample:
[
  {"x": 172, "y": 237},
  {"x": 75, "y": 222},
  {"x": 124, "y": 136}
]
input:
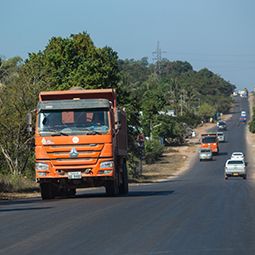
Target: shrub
[
  {"x": 16, "y": 183},
  {"x": 153, "y": 150}
]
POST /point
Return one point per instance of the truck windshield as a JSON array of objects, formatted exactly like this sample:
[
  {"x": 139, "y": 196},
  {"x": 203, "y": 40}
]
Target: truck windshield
[
  {"x": 73, "y": 122},
  {"x": 236, "y": 162},
  {"x": 209, "y": 139}
]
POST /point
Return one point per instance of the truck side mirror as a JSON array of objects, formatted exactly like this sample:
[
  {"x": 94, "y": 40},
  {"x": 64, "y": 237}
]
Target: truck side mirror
[{"x": 29, "y": 122}]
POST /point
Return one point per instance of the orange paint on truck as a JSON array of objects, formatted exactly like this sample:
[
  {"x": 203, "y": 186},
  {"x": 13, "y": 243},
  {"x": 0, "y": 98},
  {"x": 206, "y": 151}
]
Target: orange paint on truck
[
  {"x": 80, "y": 141},
  {"x": 210, "y": 141}
]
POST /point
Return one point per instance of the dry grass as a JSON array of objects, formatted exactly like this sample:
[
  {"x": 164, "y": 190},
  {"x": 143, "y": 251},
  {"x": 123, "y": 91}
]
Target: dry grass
[
  {"x": 250, "y": 138},
  {"x": 16, "y": 186}
]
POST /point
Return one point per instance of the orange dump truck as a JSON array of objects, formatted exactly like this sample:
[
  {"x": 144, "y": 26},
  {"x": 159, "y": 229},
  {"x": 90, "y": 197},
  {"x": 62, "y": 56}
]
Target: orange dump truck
[
  {"x": 80, "y": 141},
  {"x": 210, "y": 140}
]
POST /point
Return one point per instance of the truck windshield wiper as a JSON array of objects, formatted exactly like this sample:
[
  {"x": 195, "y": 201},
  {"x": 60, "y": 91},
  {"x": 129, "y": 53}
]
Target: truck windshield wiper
[
  {"x": 94, "y": 132},
  {"x": 59, "y": 133}
]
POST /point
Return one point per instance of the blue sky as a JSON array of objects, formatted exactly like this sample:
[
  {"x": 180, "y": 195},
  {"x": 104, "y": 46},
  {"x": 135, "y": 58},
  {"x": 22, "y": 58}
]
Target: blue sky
[{"x": 217, "y": 34}]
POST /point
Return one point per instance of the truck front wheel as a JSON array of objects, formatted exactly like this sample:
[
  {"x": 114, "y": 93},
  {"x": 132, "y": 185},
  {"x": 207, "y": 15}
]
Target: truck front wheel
[
  {"x": 47, "y": 190},
  {"x": 112, "y": 188}
]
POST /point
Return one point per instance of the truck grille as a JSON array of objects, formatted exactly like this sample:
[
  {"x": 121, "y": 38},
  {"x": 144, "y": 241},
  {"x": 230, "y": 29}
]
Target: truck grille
[{"x": 87, "y": 154}]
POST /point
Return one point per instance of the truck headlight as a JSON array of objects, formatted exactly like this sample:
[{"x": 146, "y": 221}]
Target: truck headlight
[
  {"x": 41, "y": 166},
  {"x": 106, "y": 164}
]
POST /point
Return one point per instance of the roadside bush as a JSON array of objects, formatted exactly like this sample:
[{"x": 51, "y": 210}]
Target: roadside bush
[
  {"x": 252, "y": 122},
  {"x": 16, "y": 183},
  {"x": 153, "y": 150},
  {"x": 133, "y": 165}
]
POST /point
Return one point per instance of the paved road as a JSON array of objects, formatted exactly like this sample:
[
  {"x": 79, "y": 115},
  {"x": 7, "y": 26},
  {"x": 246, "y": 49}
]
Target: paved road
[{"x": 198, "y": 213}]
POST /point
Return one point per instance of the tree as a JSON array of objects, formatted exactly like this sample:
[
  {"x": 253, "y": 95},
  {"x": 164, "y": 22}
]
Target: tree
[
  {"x": 73, "y": 61},
  {"x": 206, "y": 111}
]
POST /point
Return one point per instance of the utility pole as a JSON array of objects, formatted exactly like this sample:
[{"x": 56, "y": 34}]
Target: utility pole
[
  {"x": 158, "y": 58},
  {"x": 181, "y": 103}
]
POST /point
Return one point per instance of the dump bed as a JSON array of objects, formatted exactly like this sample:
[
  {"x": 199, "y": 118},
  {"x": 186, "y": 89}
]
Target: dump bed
[{"x": 109, "y": 94}]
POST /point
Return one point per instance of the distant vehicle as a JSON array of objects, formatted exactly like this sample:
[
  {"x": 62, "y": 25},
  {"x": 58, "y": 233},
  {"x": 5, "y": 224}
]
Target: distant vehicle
[
  {"x": 235, "y": 93},
  {"x": 235, "y": 167},
  {"x": 243, "y": 119},
  {"x": 205, "y": 154},
  {"x": 237, "y": 155},
  {"x": 210, "y": 141},
  {"x": 243, "y": 113},
  {"x": 221, "y": 137},
  {"x": 243, "y": 93},
  {"x": 221, "y": 125}
]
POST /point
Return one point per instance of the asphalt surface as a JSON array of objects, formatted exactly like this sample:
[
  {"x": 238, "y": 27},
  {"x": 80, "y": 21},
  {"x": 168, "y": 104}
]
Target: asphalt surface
[{"x": 197, "y": 213}]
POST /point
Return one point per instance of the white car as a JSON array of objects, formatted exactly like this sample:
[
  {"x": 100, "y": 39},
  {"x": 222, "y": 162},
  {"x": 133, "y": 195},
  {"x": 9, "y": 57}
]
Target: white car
[
  {"x": 235, "y": 168},
  {"x": 237, "y": 155},
  {"x": 221, "y": 136},
  {"x": 243, "y": 113},
  {"x": 205, "y": 154}
]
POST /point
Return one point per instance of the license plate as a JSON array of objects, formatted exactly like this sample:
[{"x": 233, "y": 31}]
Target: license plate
[
  {"x": 74, "y": 175},
  {"x": 235, "y": 174}
]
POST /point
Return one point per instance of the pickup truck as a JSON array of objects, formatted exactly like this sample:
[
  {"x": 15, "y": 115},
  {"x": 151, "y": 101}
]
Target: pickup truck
[{"x": 235, "y": 168}]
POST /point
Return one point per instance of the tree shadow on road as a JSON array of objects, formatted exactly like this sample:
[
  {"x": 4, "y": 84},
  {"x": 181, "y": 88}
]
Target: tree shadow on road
[
  {"x": 20, "y": 201},
  {"x": 24, "y": 209},
  {"x": 149, "y": 193}
]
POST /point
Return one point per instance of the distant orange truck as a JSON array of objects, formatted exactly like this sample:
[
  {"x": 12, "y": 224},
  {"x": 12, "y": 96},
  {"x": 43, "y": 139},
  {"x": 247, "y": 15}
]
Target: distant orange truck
[
  {"x": 210, "y": 140},
  {"x": 80, "y": 141}
]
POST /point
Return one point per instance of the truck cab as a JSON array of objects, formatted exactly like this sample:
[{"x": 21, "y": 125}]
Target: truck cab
[{"x": 210, "y": 141}]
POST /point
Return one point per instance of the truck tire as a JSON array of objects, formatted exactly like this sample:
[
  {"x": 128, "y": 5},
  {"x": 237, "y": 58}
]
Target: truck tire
[
  {"x": 112, "y": 188},
  {"x": 47, "y": 190},
  {"x": 72, "y": 192},
  {"x": 124, "y": 185}
]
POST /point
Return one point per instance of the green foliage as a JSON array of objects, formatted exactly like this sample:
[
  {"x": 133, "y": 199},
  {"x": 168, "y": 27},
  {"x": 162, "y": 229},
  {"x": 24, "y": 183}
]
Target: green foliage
[
  {"x": 153, "y": 150},
  {"x": 15, "y": 102},
  {"x": 74, "y": 61},
  {"x": 191, "y": 119},
  {"x": 9, "y": 69},
  {"x": 206, "y": 111},
  {"x": 171, "y": 130}
]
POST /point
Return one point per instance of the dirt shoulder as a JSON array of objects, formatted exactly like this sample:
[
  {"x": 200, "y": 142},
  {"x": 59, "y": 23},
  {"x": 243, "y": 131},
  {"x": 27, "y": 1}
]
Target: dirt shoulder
[
  {"x": 250, "y": 140},
  {"x": 176, "y": 160}
]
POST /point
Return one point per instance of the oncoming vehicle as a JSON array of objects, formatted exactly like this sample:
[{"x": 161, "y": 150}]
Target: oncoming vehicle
[
  {"x": 235, "y": 167},
  {"x": 210, "y": 141},
  {"x": 221, "y": 125},
  {"x": 243, "y": 113},
  {"x": 243, "y": 117},
  {"x": 205, "y": 154},
  {"x": 80, "y": 142},
  {"x": 221, "y": 136},
  {"x": 237, "y": 155}
]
